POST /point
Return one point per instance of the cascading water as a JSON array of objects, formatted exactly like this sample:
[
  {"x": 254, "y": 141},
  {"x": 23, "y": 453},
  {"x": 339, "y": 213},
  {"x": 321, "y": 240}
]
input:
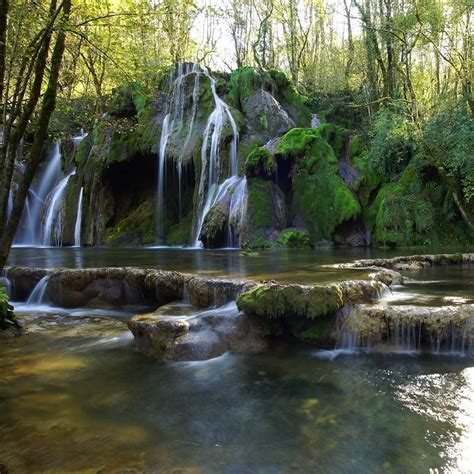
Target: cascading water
[
  {"x": 29, "y": 232},
  {"x": 53, "y": 223},
  {"x": 210, "y": 157},
  {"x": 173, "y": 122},
  {"x": 77, "y": 227},
  {"x": 209, "y": 188},
  {"x": 78, "y": 138},
  {"x": 37, "y": 295}
]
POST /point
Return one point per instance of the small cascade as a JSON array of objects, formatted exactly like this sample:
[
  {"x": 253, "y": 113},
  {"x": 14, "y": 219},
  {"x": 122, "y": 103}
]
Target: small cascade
[
  {"x": 77, "y": 140},
  {"x": 29, "y": 232},
  {"x": 210, "y": 157},
  {"x": 77, "y": 227},
  {"x": 407, "y": 329},
  {"x": 37, "y": 295},
  {"x": 53, "y": 223}
]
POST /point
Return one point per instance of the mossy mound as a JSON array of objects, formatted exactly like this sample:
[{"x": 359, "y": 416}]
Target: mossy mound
[
  {"x": 246, "y": 81},
  {"x": 319, "y": 194},
  {"x": 260, "y": 163},
  {"x": 270, "y": 300},
  {"x": 416, "y": 210}
]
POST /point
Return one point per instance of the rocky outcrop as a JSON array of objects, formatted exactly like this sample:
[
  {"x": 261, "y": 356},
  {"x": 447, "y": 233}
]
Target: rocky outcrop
[
  {"x": 411, "y": 262},
  {"x": 201, "y": 336},
  {"x": 274, "y": 300},
  {"x": 407, "y": 327}
]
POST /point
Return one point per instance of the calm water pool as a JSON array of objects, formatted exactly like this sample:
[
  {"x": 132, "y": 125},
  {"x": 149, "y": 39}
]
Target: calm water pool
[{"x": 76, "y": 397}]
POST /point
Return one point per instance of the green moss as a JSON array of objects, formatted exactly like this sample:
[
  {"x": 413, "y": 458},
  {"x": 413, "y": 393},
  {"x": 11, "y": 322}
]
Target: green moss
[
  {"x": 128, "y": 100},
  {"x": 398, "y": 218},
  {"x": 243, "y": 83},
  {"x": 297, "y": 141},
  {"x": 276, "y": 301},
  {"x": 180, "y": 233},
  {"x": 319, "y": 194},
  {"x": 260, "y": 163},
  {"x": 357, "y": 146},
  {"x": 336, "y": 136},
  {"x": 260, "y": 203},
  {"x": 137, "y": 228},
  {"x": 368, "y": 181},
  {"x": 294, "y": 238}
]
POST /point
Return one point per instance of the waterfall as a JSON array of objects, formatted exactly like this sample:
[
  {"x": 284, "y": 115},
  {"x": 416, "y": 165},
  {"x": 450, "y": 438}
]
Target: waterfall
[
  {"x": 29, "y": 232},
  {"x": 165, "y": 133},
  {"x": 173, "y": 122},
  {"x": 210, "y": 157},
  {"x": 37, "y": 295},
  {"x": 78, "y": 138},
  {"x": 77, "y": 227},
  {"x": 53, "y": 224}
]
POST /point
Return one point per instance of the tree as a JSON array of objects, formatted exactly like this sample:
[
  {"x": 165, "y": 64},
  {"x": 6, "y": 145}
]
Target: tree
[{"x": 26, "y": 106}]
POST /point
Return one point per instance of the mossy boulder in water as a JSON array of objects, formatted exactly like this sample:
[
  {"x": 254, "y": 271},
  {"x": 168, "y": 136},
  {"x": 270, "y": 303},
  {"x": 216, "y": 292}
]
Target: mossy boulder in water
[{"x": 271, "y": 300}]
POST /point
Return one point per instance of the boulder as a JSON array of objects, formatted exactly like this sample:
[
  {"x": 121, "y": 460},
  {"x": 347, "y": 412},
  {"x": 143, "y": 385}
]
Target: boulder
[{"x": 203, "y": 336}]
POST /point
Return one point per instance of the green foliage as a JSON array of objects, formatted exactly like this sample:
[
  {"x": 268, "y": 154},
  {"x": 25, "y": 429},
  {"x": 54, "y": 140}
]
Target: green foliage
[
  {"x": 7, "y": 318},
  {"x": 70, "y": 115},
  {"x": 392, "y": 142},
  {"x": 129, "y": 100},
  {"x": 294, "y": 238},
  {"x": 260, "y": 163},
  {"x": 275, "y": 301},
  {"x": 448, "y": 138}
]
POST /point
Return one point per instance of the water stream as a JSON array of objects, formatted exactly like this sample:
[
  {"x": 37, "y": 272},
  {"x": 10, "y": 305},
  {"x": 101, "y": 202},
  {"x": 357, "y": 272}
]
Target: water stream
[
  {"x": 77, "y": 226},
  {"x": 54, "y": 219}
]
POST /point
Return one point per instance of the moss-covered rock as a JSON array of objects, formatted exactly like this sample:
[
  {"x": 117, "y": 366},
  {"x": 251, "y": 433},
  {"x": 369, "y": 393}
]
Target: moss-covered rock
[
  {"x": 319, "y": 194},
  {"x": 271, "y": 300},
  {"x": 260, "y": 163}
]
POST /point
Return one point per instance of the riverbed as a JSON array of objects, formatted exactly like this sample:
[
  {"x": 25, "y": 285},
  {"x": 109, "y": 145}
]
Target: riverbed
[{"x": 77, "y": 397}]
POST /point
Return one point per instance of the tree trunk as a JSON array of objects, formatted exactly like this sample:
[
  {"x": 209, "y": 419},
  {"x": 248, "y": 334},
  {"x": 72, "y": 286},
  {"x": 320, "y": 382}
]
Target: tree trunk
[{"x": 47, "y": 107}]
